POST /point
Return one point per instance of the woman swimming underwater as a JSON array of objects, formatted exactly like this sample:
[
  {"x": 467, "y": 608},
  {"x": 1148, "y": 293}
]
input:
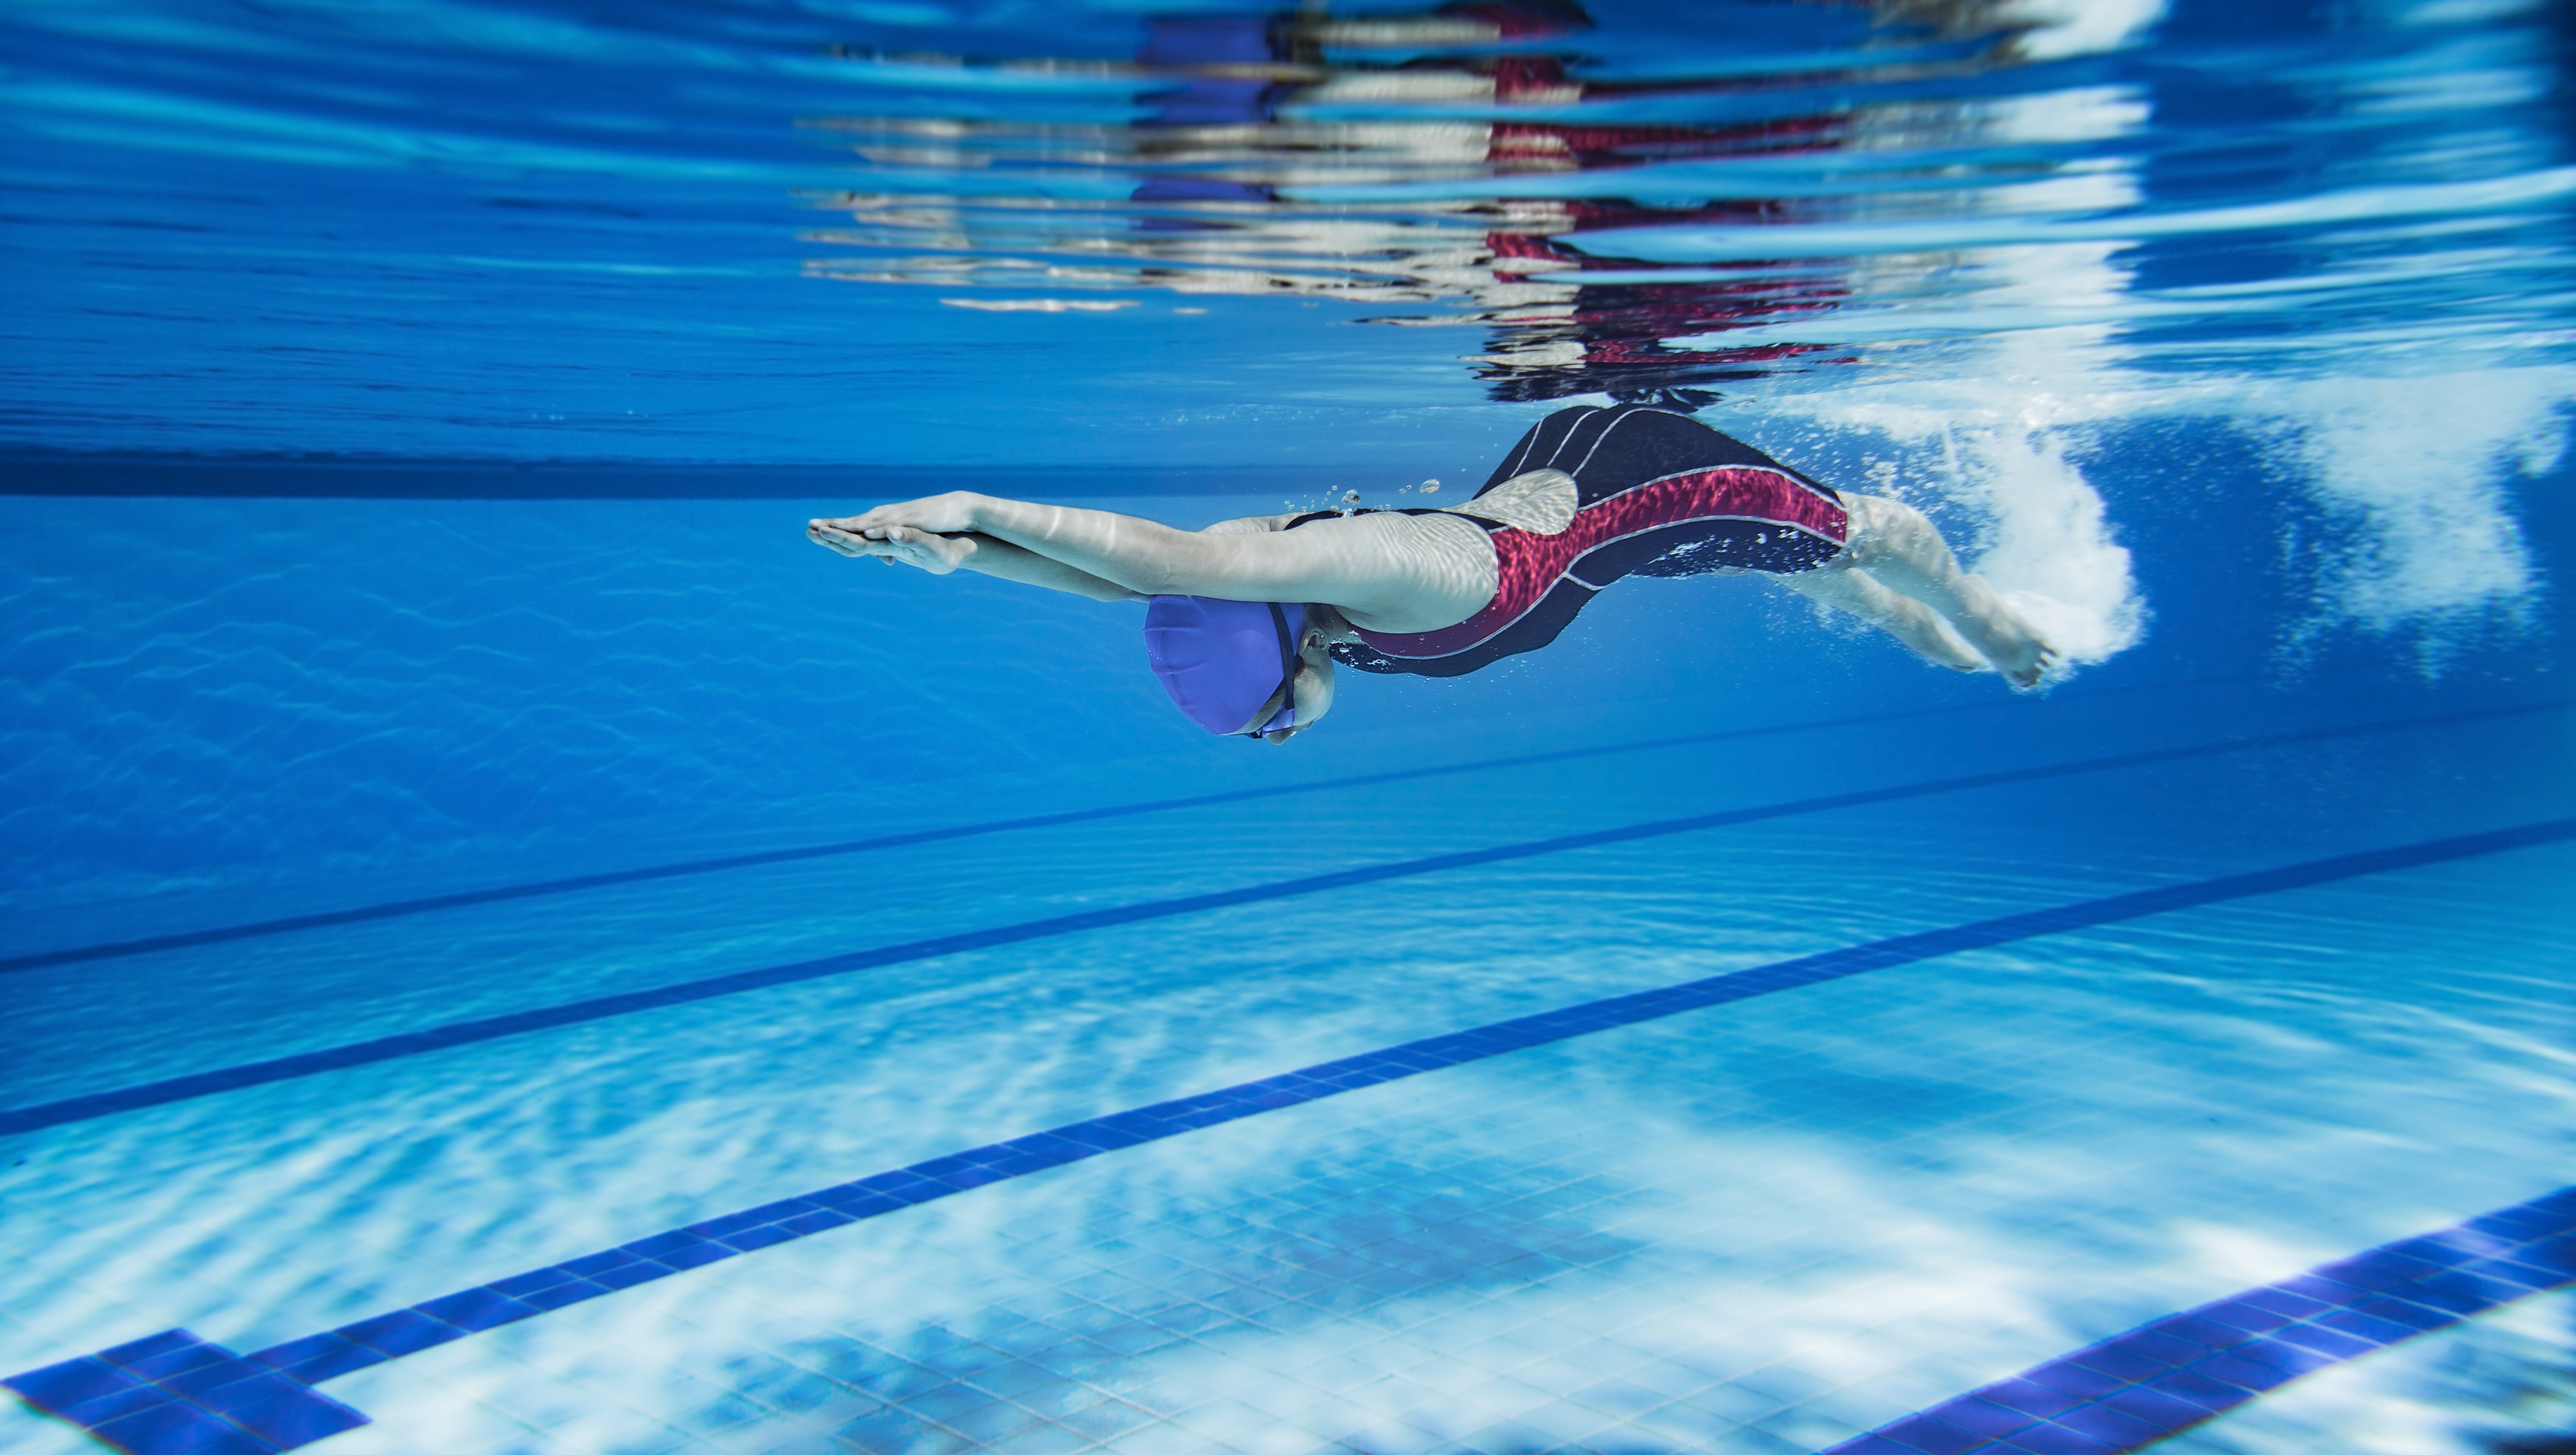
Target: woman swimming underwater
[{"x": 1249, "y": 616}]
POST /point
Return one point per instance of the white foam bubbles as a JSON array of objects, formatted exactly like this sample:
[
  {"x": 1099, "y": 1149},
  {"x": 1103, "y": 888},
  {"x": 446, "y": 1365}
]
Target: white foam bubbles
[
  {"x": 2050, "y": 551},
  {"x": 2412, "y": 472},
  {"x": 2042, "y": 535},
  {"x": 1987, "y": 447},
  {"x": 2423, "y": 549}
]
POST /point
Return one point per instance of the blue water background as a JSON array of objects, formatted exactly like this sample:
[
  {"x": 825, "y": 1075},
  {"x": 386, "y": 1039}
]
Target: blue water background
[{"x": 354, "y": 354}]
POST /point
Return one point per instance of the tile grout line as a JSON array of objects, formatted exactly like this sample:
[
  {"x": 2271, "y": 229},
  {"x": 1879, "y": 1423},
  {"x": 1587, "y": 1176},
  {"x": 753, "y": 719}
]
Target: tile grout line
[
  {"x": 464, "y": 1033},
  {"x": 2163, "y": 1377},
  {"x": 173, "y": 1393}
]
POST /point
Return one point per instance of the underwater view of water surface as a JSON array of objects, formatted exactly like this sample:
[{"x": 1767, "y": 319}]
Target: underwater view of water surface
[{"x": 511, "y": 947}]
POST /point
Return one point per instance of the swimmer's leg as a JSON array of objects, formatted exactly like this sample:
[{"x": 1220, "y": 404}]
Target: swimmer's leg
[
  {"x": 1895, "y": 544},
  {"x": 1902, "y": 617}
]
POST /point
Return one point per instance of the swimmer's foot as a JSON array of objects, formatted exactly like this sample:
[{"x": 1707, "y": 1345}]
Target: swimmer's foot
[
  {"x": 2029, "y": 676},
  {"x": 2011, "y": 644}
]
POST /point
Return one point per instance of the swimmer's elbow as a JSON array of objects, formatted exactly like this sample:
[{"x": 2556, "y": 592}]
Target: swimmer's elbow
[
  {"x": 1233, "y": 567},
  {"x": 1150, "y": 584}
]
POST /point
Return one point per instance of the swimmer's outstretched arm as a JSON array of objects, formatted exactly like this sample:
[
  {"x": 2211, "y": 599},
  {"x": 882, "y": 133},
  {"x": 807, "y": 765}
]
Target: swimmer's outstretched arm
[{"x": 1387, "y": 572}]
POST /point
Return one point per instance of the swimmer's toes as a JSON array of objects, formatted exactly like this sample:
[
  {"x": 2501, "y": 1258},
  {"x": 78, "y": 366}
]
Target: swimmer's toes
[{"x": 2043, "y": 664}]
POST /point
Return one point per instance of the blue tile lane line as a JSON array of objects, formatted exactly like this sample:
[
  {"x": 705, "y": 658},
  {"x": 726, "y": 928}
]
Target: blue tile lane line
[
  {"x": 91, "y": 1388},
  {"x": 2157, "y": 1379},
  {"x": 175, "y": 1394},
  {"x": 467, "y": 1033},
  {"x": 501, "y": 894}
]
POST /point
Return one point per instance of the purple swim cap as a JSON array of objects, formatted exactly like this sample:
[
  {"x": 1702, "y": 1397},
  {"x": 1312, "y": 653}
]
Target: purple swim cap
[{"x": 1221, "y": 660}]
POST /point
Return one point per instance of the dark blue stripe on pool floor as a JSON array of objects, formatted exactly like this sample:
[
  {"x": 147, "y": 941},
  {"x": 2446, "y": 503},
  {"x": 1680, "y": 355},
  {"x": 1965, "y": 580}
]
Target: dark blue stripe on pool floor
[
  {"x": 105, "y": 1387},
  {"x": 2158, "y": 1379},
  {"x": 502, "y": 894},
  {"x": 491, "y": 1028}
]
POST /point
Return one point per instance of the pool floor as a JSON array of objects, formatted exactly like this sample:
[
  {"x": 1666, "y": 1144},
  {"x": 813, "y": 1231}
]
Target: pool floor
[{"x": 2016, "y": 1084}]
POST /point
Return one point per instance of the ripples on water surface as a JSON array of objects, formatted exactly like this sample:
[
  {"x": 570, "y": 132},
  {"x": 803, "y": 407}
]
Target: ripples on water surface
[
  {"x": 1618, "y": 199},
  {"x": 1744, "y": 190},
  {"x": 1932, "y": 245}
]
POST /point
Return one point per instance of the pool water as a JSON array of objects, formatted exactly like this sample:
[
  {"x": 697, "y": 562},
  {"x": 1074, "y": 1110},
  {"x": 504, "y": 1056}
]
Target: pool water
[{"x": 511, "y": 949}]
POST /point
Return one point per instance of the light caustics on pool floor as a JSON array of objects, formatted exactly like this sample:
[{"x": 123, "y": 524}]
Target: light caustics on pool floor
[{"x": 174, "y": 1392}]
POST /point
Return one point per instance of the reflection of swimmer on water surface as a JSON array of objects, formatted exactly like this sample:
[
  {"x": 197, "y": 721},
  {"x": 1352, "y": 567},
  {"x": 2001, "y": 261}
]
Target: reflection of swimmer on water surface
[
  {"x": 1242, "y": 116},
  {"x": 1249, "y": 616}
]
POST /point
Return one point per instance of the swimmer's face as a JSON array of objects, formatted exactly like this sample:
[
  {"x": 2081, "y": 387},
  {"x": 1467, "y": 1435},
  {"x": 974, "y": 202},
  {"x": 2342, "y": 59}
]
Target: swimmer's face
[{"x": 1313, "y": 687}]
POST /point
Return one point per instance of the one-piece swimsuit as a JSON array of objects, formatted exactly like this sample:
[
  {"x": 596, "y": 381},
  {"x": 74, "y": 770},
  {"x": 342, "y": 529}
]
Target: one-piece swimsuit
[{"x": 1658, "y": 494}]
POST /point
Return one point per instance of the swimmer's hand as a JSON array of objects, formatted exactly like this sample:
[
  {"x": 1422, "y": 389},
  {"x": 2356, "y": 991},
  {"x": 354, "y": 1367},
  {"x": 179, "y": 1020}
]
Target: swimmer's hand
[
  {"x": 932, "y": 552},
  {"x": 932, "y": 533},
  {"x": 948, "y": 515}
]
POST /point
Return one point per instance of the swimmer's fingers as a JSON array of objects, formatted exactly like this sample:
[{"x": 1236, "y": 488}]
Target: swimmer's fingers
[
  {"x": 938, "y": 554},
  {"x": 848, "y": 529},
  {"x": 934, "y": 553},
  {"x": 855, "y": 547},
  {"x": 842, "y": 542},
  {"x": 876, "y": 541},
  {"x": 941, "y": 514}
]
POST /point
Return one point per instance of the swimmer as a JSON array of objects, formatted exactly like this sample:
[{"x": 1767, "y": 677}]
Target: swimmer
[{"x": 1248, "y": 617}]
